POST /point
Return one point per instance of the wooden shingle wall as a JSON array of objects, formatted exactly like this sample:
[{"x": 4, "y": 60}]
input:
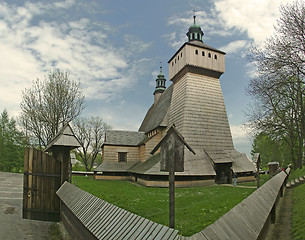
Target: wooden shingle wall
[
  {"x": 88, "y": 217},
  {"x": 152, "y": 142},
  {"x": 199, "y": 113}
]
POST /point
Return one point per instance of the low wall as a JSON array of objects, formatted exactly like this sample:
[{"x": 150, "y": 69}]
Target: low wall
[
  {"x": 251, "y": 218},
  {"x": 88, "y": 217}
]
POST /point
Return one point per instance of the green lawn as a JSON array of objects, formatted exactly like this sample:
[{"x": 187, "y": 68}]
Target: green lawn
[
  {"x": 296, "y": 173},
  {"x": 298, "y": 212},
  {"x": 196, "y": 208},
  {"x": 262, "y": 179},
  {"x": 298, "y": 206}
]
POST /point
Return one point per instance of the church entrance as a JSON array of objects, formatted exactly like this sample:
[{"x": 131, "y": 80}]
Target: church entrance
[{"x": 223, "y": 173}]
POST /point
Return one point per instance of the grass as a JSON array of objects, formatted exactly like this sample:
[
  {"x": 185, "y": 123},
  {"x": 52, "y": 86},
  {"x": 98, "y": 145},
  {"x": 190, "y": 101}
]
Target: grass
[
  {"x": 298, "y": 212},
  {"x": 296, "y": 173},
  {"x": 262, "y": 179},
  {"x": 196, "y": 208},
  {"x": 298, "y": 206}
]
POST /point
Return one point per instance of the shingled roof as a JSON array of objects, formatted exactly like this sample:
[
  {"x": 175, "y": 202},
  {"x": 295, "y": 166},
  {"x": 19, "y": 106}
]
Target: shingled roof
[
  {"x": 123, "y": 138},
  {"x": 114, "y": 166},
  {"x": 194, "y": 165},
  {"x": 157, "y": 115}
]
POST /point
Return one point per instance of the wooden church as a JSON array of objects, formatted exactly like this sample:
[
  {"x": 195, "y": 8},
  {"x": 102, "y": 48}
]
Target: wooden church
[{"x": 194, "y": 104}]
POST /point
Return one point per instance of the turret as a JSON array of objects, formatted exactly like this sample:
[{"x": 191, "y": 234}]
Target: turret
[{"x": 160, "y": 86}]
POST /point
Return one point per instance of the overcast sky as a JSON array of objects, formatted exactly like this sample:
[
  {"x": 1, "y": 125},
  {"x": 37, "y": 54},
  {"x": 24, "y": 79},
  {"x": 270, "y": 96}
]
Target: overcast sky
[{"x": 114, "y": 47}]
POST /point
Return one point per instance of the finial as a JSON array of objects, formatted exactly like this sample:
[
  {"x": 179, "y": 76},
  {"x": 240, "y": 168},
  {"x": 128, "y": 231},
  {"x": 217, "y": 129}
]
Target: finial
[
  {"x": 160, "y": 67},
  {"x": 194, "y": 16}
]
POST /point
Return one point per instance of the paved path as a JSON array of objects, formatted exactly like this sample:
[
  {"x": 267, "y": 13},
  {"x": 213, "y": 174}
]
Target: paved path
[{"x": 12, "y": 226}]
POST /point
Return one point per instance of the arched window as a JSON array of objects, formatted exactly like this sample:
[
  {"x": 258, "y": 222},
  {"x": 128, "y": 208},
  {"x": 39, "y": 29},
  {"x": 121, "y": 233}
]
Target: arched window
[
  {"x": 210, "y": 55},
  {"x": 203, "y": 53},
  {"x": 215, "y": 57},
  {"x": 178, "y": 58},
  {"x": 196, "y": 52}
]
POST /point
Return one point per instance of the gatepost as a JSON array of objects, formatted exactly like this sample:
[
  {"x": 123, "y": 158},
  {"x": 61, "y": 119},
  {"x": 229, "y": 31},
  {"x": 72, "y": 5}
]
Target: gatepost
[
  {"x": 257, "y": 160},
  {"x": 172, "y": 160},
  {"x": 61, "y": 145}
]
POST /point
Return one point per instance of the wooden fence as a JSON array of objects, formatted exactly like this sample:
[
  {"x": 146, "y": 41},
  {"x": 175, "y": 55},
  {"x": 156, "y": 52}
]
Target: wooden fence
[
  {"x": 251, "y": 218},
  {"x": 88, "y": 217},
  {"x": 41, "y": 181}
]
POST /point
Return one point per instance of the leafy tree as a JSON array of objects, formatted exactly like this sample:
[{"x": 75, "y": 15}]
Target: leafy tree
[
  {"x": 90, "y": 132},
  {"x": 278, "y": 89},
  {"x": 50, "y": 104},
  {"x": 12, "y": 143},
  {"x": 268, "y": 149}
]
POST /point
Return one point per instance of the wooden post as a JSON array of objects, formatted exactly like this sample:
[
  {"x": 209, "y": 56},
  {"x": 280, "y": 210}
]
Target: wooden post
[
  {"x": 257, "y": 174},
  {"x": 172, "y": 160},
  {"x": 257, "y": 160},
  {"x": 171, "y": 193}
]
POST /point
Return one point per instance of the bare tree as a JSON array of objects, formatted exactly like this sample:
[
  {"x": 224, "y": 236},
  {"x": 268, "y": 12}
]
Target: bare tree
[
  {"x": 279, "y": 89},
  {"x": 90, "y": 132},
  {"x": 49, "y": 104}
]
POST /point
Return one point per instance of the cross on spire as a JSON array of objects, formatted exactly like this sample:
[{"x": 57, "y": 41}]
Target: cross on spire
[
  {"x": 160, "y": 67},
  {"x": 194, "y": 10}
]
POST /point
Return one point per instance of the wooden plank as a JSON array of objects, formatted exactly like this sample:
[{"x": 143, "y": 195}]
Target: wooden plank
[
  {"x": 151, "y": 227},
  {"x": 141, "y": 223},
  {"x": 162, "y": 232},
  {"x": 122, "y": 219},
  {"x": 25, "y": 182},
  {"x": 107, "y": 226},
  {"x": 144, "y": 227},
  {"x": 121, "y": 226},
  {"x": 107, "y": 219},
  {"x": 129, "y": 226},
  {"x": 155, "y": 232},
  {"x": 29, "y": 205}
]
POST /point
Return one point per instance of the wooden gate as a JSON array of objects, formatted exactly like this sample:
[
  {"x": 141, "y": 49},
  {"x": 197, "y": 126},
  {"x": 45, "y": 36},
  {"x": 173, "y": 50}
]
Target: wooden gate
[{"x": 42, "y": 178}]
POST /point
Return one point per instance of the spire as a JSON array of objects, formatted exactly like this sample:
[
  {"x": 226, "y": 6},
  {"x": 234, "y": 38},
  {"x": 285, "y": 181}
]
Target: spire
[
  {"x": 195, "y": 33},
  {"x": 160, "y": 84},
  {"x": 160, "y": 81}
]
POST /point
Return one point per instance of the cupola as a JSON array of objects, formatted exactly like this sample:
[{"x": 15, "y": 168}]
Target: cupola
[
  {"x": 160, "y": 86},
  {"x": 195, "y": 33}
]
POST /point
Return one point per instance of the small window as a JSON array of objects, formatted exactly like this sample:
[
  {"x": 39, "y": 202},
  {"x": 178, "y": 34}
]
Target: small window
[
  {"x": 215, "y": 57},
  {"x": 203, "y": 53},
  {"x": 210, "y": 55},
  {"x": 178, "y": 58},
  {"x": 175, "y": 60},
  {"x": 172, "y": 63},
  {"x": 181, "y": 54},
  {"x": 122, "y": 156},
  {"x": 196, "y": 51}
]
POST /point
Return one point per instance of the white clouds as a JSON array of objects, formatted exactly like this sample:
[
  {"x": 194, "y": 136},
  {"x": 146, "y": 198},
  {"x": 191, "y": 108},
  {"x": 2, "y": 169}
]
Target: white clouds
[
  {"x": 31, "y": 44},
  {"x": 255, "y": 17},
  {"x": 241, "y": 139},
  {"x": 234, "y": 46}
]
